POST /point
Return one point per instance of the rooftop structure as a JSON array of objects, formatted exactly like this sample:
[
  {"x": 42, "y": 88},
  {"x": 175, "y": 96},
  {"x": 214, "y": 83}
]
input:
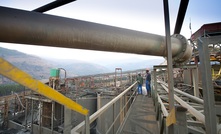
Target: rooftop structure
[{"x": 207, "y": 30}]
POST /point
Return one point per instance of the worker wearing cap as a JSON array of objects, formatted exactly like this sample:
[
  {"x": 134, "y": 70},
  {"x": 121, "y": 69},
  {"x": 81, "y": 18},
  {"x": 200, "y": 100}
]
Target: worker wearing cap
[
  {"x": 148, "y": 79},
  {"x": 140, "y": 83}
]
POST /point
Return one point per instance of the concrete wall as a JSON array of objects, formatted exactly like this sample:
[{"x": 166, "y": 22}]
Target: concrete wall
[
  {"x": 107, "y": 118},
  {"x": 36, "y": 130}
]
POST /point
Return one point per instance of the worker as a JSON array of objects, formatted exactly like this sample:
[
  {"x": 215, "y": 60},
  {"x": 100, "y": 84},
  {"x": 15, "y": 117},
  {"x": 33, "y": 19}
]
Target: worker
[
  {"x": 140, "y": 83},
  {"x": 148, "y": 80}
]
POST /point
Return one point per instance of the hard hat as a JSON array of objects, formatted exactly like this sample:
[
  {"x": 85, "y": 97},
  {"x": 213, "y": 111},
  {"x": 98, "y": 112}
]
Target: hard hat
[{"x": 147, "y": 69}]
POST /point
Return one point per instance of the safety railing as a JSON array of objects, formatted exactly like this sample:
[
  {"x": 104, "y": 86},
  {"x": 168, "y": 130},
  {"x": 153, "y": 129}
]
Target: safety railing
[
  {"x": 161, "y": 111},
  {"x": 80, "y": 129},
  {"x": 183, "y": 113},
  {"x": 178, "y": 114},
  {"x": 198, "y": 115}
]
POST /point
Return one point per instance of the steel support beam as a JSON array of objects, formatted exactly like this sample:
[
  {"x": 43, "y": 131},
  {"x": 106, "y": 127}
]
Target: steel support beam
[
  {"x": 195, "y": 82},
  {"x": 208, "y": 90},
  {"x": 52, "y": 5},
  {"x": 169, "y": 62},
  {"x": 19, "y": 76},
  {"x": 67, "y": 121},
  {"x": 169, "y": 55},
  {"x": 180, "y": 16},
  {"x": 26, "y": 113},
  {"x": 194, "y": 98},
  {"x": 154, "y": 89},
  {"x": 181, "y": 123},
  {"x": 25, "y": 27},
  {"x": 188, "y": 66},
  {"x": 193, "y": 130},
  {"x": 163, "y": 108}
]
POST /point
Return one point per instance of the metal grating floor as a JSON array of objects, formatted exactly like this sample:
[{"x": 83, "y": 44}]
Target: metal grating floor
[{"x": 142, "y": 117}]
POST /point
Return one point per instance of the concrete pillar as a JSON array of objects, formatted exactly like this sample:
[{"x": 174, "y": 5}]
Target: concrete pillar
[
  {"x": 67, "y": 120},
  {"x": 181, "y": 121}
]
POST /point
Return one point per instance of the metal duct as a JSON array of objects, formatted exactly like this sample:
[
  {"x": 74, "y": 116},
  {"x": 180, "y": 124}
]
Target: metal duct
[{"x": 25, "y": 27}]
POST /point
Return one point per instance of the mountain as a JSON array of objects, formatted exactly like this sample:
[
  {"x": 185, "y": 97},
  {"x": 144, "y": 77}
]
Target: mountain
[
  {"x": 133, "y": 64},
  {"x": 39, "y": 68},
  {"x": 77, "y": 67},
  {"x": 35, "y": 66}
]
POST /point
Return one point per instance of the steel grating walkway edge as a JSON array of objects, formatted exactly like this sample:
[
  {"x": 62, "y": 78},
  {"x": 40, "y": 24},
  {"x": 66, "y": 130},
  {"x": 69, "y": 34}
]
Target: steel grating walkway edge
[{"x": 142, "y": 117}]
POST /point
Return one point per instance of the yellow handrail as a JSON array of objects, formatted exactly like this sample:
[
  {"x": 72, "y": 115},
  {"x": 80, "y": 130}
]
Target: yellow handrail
[{"x": 23, "y": 78}]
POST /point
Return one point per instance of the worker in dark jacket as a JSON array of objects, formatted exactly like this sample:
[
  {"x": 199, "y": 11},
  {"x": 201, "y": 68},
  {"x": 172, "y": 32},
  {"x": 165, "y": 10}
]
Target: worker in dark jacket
[
  {"x": 140, "y": 83},
  {"x": 148, "y": 79}
]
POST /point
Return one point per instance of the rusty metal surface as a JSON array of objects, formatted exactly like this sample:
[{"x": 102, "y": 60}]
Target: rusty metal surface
[
  {"x": 12, "y": 96},
  {"x": 142, "y": 118}
]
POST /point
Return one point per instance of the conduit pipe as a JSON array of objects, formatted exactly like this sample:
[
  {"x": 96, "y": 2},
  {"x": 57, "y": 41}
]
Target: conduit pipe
[
  {"x": 26, "y": 27},
  {"x": 194, "y": 98}
]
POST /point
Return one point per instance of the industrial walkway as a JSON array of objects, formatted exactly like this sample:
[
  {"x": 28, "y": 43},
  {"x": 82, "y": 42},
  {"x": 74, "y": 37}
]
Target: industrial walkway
[{"x": 141, "y": 118}]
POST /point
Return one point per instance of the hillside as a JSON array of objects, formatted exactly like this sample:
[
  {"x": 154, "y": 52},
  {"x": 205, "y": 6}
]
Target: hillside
[
  {"x": 39, "y": 68},
  {"x": 133, "y": 64},
  {"x": 77, "y": 67},
  {"x": 35, "y": 66}
]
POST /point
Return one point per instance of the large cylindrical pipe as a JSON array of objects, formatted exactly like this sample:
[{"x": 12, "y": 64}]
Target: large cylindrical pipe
[{"x": 25, "y": 27}]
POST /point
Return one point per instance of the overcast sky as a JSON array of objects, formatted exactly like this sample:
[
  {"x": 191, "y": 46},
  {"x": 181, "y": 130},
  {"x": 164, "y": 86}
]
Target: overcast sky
[{"x": 142, "y": 15}]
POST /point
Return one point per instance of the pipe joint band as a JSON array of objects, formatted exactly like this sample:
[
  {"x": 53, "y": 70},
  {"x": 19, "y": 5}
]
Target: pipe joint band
[{"x": 185, "y": 52}]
